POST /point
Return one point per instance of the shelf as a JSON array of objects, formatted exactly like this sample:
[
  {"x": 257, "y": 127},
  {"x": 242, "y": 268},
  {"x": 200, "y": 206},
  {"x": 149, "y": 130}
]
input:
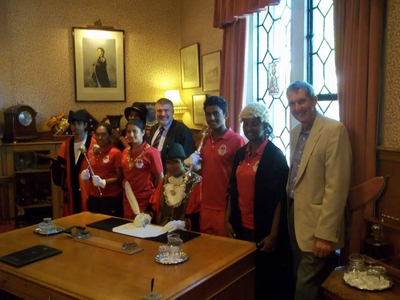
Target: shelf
[
  {"x": 35, "y": 205},
  {"x": 28, "y": 164},
  {"x": 33, "y": 171},
  {"x": 388, "y": 223}
]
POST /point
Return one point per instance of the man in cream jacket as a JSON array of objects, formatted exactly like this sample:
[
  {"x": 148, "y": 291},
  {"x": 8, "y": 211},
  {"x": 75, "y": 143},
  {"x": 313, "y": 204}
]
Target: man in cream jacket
[{"x": 317, "y": 189}]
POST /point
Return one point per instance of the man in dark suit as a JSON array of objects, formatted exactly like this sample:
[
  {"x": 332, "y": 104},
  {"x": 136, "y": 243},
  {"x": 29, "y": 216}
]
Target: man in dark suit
[{"x": 168, "y": 131}]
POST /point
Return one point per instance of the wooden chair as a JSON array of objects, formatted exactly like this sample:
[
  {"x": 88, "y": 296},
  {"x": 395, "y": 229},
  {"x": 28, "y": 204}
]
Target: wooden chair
[{"x": 359, "y": 197}]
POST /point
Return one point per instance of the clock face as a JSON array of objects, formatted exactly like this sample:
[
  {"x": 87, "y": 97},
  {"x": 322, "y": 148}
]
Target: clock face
[{"x": 25, "y": 118}]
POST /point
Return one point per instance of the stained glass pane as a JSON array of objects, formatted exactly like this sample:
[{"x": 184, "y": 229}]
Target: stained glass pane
[
  {"x": 274, "y": 31},
  {"x": 274, "y": 67}
]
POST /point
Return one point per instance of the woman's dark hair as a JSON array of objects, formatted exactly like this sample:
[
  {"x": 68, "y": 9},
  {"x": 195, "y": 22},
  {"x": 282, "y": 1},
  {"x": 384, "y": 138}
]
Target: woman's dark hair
[
  {"x": 102, "y": 50},
  {"x": 138, "y": 123},
  {"x": 105, "y": 125}
]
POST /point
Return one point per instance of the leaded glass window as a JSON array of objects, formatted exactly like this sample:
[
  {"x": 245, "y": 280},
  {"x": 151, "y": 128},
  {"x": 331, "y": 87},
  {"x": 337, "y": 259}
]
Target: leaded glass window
[
  {"x": 321, "y": 71},
  {"x": 273, "y": 68}
]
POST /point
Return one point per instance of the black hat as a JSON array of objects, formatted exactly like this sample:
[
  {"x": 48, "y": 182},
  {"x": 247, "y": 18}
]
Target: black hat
[
  {"x": 139, "y": 107},
  {"x": 175, "y": 151},
  {"x": 79, "y": 115}
]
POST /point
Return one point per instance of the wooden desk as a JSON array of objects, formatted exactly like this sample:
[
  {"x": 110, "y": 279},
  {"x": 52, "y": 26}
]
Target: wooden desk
[
  {"x": 218, "y": 268},
  {"x": 334, "y": 288}
]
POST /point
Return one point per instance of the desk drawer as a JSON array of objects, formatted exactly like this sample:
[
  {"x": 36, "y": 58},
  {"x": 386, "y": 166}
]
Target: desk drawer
[{"x": 27, "y": 289}]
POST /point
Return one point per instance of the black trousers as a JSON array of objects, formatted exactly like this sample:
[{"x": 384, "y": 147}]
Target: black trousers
[
  {"x": 273, "y": 276},
  {"x": 106, "y": 205}
]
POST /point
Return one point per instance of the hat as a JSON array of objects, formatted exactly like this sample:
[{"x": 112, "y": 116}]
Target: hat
[
  {"x": 175, "y": 151},
  {"x": 79, "y": 115},
  {"x": 140, "y": 108}
]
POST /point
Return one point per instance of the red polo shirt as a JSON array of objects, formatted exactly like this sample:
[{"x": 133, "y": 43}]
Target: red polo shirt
[
  {"x": 216, "y": 167},
  {"x": 104, "y": 164},
  {"x": 141, "y": 174},
  {"x": 246, "y": 178}
]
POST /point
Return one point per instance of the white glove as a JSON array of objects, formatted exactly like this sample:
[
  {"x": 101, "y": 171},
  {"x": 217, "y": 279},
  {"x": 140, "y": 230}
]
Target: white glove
[
  {"x": 141, "y": 220},
  {"x": 174, "y": 225},
  {"x": 97, "y": 181},
  {"x": 85, "y": 175},
  {"x": 192, "y": 160}
]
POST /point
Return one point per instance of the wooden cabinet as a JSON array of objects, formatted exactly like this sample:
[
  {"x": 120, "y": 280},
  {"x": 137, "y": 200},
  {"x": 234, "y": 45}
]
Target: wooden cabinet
[{"x": 30, "y": 191}]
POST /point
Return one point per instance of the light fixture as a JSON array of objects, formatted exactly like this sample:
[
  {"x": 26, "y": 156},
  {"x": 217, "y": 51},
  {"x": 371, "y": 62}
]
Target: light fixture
[{"x": 179, "y": 106}]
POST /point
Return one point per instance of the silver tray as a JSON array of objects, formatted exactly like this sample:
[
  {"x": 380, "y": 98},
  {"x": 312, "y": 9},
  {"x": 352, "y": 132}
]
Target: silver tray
[
  {"x": 164, "y": 260},
  {"x": 358, "y": 287},
  {"x": 54, "y": 231}
]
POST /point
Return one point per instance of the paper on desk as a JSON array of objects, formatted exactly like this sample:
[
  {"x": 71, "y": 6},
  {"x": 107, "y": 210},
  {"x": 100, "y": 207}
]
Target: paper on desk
[{"x": 140, "y": 232}]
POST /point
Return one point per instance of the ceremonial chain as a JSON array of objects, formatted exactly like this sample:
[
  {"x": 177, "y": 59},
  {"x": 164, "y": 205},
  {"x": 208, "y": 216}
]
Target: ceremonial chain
[{"x": 132, "y": 162}]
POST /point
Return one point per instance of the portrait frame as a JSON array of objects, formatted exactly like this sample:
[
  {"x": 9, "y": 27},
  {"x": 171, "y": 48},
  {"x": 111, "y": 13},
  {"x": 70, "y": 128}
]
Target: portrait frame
[
  {"x": 99, "y": 65},
  {"x": 199, "y": 117},
  {"x": 211, "y": 71},
  {"x": 274, "y": 77},
  {"x": 190, "y": 70}
]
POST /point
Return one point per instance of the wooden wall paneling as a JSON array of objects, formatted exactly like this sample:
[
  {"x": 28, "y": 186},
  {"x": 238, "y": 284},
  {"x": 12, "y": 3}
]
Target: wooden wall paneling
[{"x": 389, "y": 165}]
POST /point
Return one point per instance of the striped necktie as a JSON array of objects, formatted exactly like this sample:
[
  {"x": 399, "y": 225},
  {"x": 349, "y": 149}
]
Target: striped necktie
[{"x": 158, "y": 137}]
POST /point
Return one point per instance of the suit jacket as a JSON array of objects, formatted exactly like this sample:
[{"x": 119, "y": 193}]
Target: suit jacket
[
  {"x": 322, "y": 183},
  {"x": 177, "y": 133},
  {"x": 269, "y": 191}
]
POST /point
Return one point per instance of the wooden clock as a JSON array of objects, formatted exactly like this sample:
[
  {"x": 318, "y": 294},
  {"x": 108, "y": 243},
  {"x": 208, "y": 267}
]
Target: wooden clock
[{"x": 20, "y": 124}]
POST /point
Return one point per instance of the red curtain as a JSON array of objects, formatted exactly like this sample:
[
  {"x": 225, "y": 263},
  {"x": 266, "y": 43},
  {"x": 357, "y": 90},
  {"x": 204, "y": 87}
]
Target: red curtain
[
  {"x": 229, "y": 15},
  {"x": 233, "y": 70},
  {"x": 358, "y": 37},
  {"x": 227, "y": 11}
]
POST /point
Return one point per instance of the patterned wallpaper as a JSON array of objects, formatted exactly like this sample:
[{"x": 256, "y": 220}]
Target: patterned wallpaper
[
  {"x": 196, "y": 26},
  {"x": 37, "y": 50},
  {"x": 390, "y": 116}
]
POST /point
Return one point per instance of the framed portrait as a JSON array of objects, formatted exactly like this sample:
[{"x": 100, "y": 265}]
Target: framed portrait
[
  {"x": 273, "y": 78},
  {"x": 99, "y": 60},
  {"x": 211, "y": 66},
  {"x": 190, "y": 71},
  {"x": 199, "y": 117}
]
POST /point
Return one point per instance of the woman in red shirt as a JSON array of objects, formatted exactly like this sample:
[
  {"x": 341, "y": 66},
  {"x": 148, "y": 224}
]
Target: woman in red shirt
[
  {"x": 257, "y": 204},
  {"x": 105, "y": 194},
  {"x": 141, "y": 166}
]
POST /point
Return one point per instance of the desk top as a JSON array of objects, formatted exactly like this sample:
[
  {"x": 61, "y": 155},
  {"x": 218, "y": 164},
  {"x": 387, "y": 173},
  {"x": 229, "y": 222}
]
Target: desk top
[
  {"x": 87, "y": 272},
  {"x": 337, "y": 289}
]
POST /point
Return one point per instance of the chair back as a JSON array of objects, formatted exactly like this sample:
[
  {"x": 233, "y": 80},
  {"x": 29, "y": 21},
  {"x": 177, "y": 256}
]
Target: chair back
[
  {"x": 360, "y": 204},
  {"x": 364, "y": 193}
]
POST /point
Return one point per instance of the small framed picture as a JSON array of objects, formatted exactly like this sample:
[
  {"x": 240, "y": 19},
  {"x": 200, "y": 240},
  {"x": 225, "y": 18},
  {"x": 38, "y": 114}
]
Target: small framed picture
[
  {"x": 211, "y": 66},
  {"x": 199, "y": 117},
  {"x": 273, "y": 78},
  {"x": 99, "y": 65},
  {"x": 190, "y": 71}
]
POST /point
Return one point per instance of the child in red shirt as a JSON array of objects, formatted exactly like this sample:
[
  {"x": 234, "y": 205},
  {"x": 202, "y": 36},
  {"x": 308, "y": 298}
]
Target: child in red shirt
[
  {"x": 105, "y": 194},
  {"x": 141, "y": 166}
]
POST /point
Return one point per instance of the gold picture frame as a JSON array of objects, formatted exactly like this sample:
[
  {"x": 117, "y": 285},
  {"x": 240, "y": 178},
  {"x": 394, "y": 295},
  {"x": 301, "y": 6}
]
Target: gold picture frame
[
  {"x": 99, "y": 62},
  {"x": 190, "y": 71},
  {"x": 211, "y": 71},
  {"x": 199, "y": 117}
]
